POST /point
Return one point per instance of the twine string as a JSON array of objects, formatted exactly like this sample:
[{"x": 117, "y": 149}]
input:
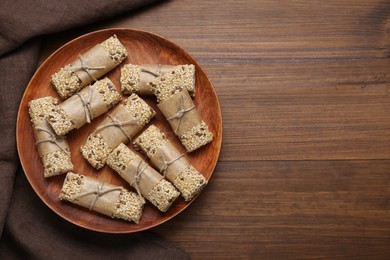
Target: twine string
[
  {"x": 140, "y": 169},
  {"x": 86, "y": 68},
  {"x": 87, "y": 105},
  {"x": 52, "y": 138},
  {"x": 119, "y": 124},
  {"x": 98, "y": 193},
  {"x": 156, "y": 73},
  {"x": 180, "y": 113},
  {"x": 166, "y": 164}
]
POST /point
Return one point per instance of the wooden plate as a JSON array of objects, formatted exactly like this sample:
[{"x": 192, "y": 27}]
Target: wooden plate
[{"x": 143, "y": 48}]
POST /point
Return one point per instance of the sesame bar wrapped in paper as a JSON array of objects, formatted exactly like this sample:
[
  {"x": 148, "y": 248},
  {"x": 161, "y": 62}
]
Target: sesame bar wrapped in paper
[
  {"x": 120, "y": 126},
  {"x": 110, "y": 200},
  {"x": 84, "y": 106},
  {"x": 53, "y": 149},
  {"x": 147, "y": 181},
  {"x": 137, "y": 78},
  {"x": 88, "y": 67},
  {"x": 170, "y": 162},
  {"x": 179, "y": 109}
]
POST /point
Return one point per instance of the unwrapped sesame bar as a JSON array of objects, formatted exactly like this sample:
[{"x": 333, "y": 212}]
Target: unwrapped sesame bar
[
  {"x": 120, "y": 126},
  {"x": 147, "y": 181},
  {"x": 84, "y": 106},
  {"x": 110, "y": 200},
  {"x": 53, "y": 149},
  {"x": 136, "y": 78},
  {"x": 179, "y": 109},
  {"x": 89, "y": 67},
  {"x": 170, "y": 162}
]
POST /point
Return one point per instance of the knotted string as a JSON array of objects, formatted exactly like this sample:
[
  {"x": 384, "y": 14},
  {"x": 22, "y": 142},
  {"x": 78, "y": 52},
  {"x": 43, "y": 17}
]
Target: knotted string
[
  {"x": 87, "y": 105},
  {"x": 180, "y": 113},
  {"x": 86, "y": 68},
  {"x": 52, "y": 139},
  {"x": 120, "y": 125},
  {"x": 98, "y": 193},
  {"x": 137, "y": 178},
  {"x": 166, "y": 164},
  {"x": 157, "y": 73}
]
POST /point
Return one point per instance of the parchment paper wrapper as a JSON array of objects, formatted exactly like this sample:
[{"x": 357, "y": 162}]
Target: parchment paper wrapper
[
  {"x": 175, "y": 167},
  {"x": 115, "y": 130},
  {"x": 110, "y": 200},
  {"x": 180, "y": 112},
  {"x": 121, "y": 126},
  {"x": 136, "y": 78},
  {"x": 148, "y": 179},
  {"x": 47, "y": 141},
  {"x": 89, "y": 67},
  {"x": 169, "y": 161},
  {"x": 98, "y": 196},
  {"x": 92, "y": 65},
  {"x": 83, "y": 107},
  {"x": 179, "y": 109}
]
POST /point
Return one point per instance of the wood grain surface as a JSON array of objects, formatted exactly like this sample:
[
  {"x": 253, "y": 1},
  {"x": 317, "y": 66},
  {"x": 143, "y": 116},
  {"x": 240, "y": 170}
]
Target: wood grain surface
[{"x": 304, "y": 170}]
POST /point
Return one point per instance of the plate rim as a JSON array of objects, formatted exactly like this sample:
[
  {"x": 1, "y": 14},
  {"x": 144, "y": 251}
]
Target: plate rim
[{"x": 36, "y": 74}]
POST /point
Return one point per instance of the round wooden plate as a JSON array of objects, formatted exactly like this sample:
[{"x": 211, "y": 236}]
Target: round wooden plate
[{"x": 143, "y": 48}]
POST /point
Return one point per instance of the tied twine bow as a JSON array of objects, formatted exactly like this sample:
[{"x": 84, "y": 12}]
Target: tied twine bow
[
  {"x": 180, "y": 113},
  {"x": 120, "y": 125},
  {"x": 98, "y": 193},
  {"x": 87, "y": 105},
  {"x": 52, "y": 138},
  {"x": 166, "y": 164},
  {"x": 157, "y": 73},
  {"x": 86, "y": 68},
  {"x": 140, "y": 169}
]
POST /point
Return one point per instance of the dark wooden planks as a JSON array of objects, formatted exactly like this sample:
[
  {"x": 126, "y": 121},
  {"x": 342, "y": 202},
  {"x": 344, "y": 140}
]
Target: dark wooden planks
[
  {"x": 289, "y": 209},
  {"x": 304, "y": 90}
]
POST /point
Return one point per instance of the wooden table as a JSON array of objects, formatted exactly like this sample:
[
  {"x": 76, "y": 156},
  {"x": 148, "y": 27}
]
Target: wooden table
[{"x": 304, "y": 170}]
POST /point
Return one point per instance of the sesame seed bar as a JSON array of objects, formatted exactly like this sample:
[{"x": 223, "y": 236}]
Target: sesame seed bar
[
  {"x": 123, "y": 123},
  {"x": 53, "y": 150},
  {"x": 188, "y": 180},
  {"x": 136, "y": 78},
  {"x": 110, "y": 200},
  {"x": 84, "y": 106},
  {"x": 179, "y": 109},
  {"x": 89, "y": 67},
  {"x": 151, "y": 185},
  {"x": 198, "y": 136}
]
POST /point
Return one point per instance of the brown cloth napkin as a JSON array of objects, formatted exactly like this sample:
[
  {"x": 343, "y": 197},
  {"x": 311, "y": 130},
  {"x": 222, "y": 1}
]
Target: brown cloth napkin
[
  {"x": 28, "y": 228},
  {"x": 21, "y": 20}
]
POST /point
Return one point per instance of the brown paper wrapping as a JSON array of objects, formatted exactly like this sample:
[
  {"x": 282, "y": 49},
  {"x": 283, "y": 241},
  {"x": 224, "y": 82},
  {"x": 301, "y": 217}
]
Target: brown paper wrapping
[
  {"x": 148, "y": 179},
  {"x": 169, "y": 161},
  {"x": 98, "y": 196},
  {"x": 47, "y": 141},
  {"x": 149, "y": 72},
  {"x": 84, "y": 106},
  {"x": 118, "y": 127},
  {"x": 180, "y": 112},
  {"x": 92, "y": 65}
]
